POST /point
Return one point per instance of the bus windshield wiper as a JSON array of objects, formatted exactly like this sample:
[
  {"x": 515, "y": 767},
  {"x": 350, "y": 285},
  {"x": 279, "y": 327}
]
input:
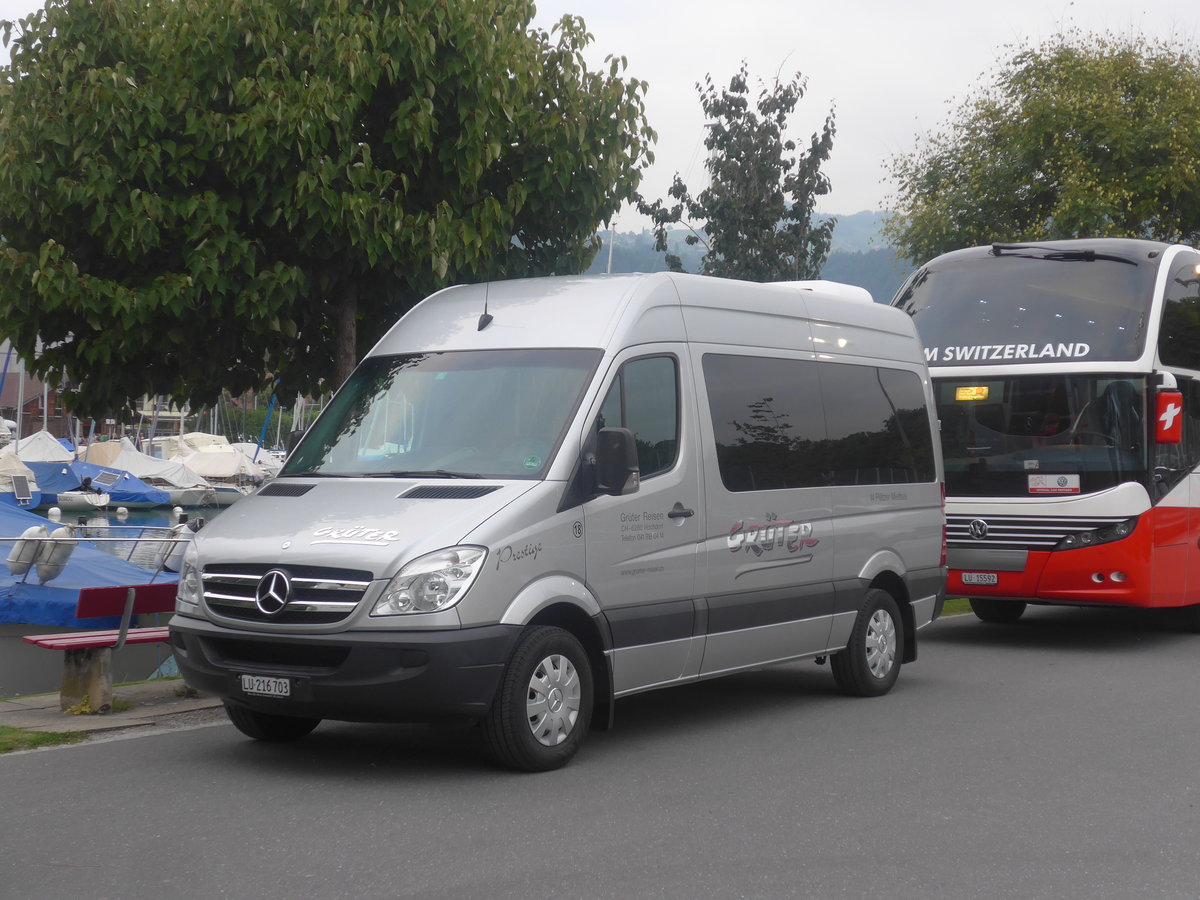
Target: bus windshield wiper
[
  {"x": 1056, "y": 255},
  {"x": 422, "y": 473}
]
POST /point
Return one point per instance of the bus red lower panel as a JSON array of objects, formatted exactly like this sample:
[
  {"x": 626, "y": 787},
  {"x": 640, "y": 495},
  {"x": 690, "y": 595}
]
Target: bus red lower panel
[{"x": 1136, "y": 571}]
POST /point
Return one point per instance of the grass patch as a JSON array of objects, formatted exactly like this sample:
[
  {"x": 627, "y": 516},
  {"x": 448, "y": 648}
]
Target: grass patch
[
  {"x": 956, "y": 606},
  {"x": 20, "y": 739}
]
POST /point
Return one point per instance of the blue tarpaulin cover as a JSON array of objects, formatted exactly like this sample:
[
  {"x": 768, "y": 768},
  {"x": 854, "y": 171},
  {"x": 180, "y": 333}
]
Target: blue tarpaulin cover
[
  {"x": 54, "y": 603},
  {"x": 60, "y": 477}
]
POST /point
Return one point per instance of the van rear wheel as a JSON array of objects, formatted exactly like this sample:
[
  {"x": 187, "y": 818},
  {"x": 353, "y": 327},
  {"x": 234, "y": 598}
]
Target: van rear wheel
[
  {"x": 266, "y": 727},
  {"x": 870, "y": 663},
  {"x": 999, "y": 612},
  {"x": 543, "y": 706}
]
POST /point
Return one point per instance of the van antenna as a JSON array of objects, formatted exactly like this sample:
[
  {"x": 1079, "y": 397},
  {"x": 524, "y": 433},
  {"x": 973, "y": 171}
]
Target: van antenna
[{"x": 485, "y": 320}]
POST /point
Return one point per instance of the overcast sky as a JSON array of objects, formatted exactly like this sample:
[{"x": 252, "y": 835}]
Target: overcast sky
[{"x": 890, "y": 69}]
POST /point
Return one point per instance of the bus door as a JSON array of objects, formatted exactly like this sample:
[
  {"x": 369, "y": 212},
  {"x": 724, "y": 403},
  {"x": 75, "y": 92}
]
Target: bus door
[{"x": 1176, "y": 489}]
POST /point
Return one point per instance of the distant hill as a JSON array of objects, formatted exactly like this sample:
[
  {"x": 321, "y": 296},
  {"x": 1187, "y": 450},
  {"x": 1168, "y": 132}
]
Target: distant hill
[
  {"x": 858, "y": 255},
  {"x": 860, "y": 231}
]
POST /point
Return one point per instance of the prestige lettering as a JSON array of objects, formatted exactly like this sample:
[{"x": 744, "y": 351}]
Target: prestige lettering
[{"x": 508, "y": 554}]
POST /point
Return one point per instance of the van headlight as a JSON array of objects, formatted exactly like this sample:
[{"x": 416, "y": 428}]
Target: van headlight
[
  {"x": 432, "y": 582},
  {"x": 191, "y": 586}
]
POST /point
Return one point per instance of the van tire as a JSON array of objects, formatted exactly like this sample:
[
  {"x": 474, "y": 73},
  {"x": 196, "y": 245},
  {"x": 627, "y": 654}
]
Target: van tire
[
  {"x": 998, "y": 612},
  {"x": 543, "y": 706},
  {"x": 266, "y": 727},
  {"x": 870, "y": 663}
]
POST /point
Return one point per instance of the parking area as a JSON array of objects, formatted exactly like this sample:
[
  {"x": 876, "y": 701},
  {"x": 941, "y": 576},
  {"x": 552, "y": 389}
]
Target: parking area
[{"x": 1052, "y": 758}]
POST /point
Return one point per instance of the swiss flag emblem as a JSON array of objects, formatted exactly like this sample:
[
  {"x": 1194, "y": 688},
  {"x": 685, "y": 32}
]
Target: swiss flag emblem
[{"x": 1168, "y": 426}]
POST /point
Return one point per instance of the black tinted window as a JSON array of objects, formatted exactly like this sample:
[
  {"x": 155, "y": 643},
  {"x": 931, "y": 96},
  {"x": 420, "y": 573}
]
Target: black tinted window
[
  {"x": 644, "y": 398},
  {"x": 767, "y": 420},
  {"x": 1012, "y": 308},
  {"x": 1179, "y": 336},
  {"x": 773, "y": 431},
  {"x": 878, "y": 426}
]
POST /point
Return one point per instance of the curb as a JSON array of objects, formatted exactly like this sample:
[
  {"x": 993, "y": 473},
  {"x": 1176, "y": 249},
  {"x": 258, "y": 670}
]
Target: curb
[{"x": 154, "y": 702}]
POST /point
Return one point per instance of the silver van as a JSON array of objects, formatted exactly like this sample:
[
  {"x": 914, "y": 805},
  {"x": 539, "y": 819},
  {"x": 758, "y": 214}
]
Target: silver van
[{"x": 535, "y": 497}]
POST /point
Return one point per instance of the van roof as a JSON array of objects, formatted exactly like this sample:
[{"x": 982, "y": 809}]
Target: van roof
[{"x": 606, "y": 311}]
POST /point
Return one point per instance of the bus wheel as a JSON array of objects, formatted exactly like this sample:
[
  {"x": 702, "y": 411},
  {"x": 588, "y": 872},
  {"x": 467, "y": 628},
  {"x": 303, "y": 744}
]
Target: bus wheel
[
  {"x": 1191, "y": 618},
  {"x": 999, "y": 612},
  {"x": 266, "y": 727},
  {"x": 870, "y": 663},
  {"x": 544, "y": 703}
]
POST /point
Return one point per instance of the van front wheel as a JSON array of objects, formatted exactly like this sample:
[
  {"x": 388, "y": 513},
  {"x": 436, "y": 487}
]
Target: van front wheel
[
  {"x": 544, "y": 703},
  {"x": 870, "y": 663}
]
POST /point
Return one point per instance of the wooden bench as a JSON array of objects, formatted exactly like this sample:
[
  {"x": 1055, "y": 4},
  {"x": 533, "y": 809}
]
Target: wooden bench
[{"x": 87, "y": 665}]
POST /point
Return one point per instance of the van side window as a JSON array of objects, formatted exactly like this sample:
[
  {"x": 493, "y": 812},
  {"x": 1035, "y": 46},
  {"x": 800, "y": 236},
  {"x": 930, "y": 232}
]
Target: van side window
[
  {"x": 878, "y": 425},
  {"x": 644, "y": 398},
  {"x": 790, "y": 423},
  {"x": 766, "y": 417}
]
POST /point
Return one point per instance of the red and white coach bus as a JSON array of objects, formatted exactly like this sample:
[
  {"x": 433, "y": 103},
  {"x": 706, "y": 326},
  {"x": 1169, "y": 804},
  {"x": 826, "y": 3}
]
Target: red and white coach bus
[{"x": 1067, "y": 378}]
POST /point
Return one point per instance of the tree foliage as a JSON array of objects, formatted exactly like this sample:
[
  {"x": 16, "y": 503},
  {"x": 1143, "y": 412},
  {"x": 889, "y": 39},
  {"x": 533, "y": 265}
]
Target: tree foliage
[
  {"x": 755, "y": 218},
  {"x": 193, "y": 194},
  {"x": 1079, "y": 136}
]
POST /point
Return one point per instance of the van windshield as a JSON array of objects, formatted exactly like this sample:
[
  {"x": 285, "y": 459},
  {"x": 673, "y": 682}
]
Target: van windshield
[{"x": 462, "y": 414}]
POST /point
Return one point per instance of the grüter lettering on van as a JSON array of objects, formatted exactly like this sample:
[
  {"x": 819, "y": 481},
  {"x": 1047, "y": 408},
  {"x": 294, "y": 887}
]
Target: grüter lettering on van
[
  {"x": 1002, "y": 352},
  {"x": 355, "y": 534},
  {"x": 775, "y": 534}
]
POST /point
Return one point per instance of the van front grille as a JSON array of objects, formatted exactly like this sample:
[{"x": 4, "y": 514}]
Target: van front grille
[{"x": 317, "y": 596}]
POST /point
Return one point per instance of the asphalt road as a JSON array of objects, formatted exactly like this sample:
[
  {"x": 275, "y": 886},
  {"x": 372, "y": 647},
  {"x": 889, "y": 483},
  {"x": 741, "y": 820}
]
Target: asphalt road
[{"x": 1051, "y": 759}]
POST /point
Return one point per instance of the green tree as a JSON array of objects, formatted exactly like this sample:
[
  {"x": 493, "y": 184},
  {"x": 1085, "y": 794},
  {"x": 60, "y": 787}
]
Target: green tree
[
  {"x": 1079, "y": 136},
  {"x": 755, "y": 219},
  {"x": 195, "y": 193}
]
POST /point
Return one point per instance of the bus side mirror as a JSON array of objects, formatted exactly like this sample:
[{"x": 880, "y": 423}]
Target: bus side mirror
[
  {"x": 617, "y": 469},
  {"x": 1168, "y": 424}
]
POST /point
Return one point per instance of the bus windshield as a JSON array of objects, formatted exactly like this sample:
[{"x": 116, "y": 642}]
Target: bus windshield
[
  {"x": 1033, "y": 435},
  {"x": 463, "y": 414},
  {"x": 1030, "y": 306}
]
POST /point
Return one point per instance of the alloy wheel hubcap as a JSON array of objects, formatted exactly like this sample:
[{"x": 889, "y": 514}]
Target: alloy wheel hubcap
[
  {"x": 553, "y": 701},
  {"x": 881, "y": 643}
]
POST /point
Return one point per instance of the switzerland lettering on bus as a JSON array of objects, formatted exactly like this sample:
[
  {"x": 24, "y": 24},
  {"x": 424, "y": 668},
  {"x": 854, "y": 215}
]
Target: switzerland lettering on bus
[{"x": 1000, "y": 352}]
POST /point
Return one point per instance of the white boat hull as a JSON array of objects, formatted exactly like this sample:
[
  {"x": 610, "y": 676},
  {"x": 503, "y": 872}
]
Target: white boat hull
[
  {"x": 76, "y": 501},
  {"x": 227, "y": 496},
  {"x": 190, "y": 496}
]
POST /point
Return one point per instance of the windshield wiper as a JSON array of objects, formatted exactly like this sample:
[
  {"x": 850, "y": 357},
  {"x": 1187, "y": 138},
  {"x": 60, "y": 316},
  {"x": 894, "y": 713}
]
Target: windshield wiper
[
  {"x": 313, "y": 473},
  {"x": 422, "y": 473},
  {"x": 1055, "y": 255}
]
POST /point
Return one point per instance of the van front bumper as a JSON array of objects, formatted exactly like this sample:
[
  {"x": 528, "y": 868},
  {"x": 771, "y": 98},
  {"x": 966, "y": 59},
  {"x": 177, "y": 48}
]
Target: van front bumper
[{"x": 352, "y": 676}]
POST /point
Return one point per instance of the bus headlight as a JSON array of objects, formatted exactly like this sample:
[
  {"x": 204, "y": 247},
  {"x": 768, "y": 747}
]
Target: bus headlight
[
  {"x": 1106, "y": 535},
  {"x": 191, "y": 586},
  {"x": 432, "y": 582}
]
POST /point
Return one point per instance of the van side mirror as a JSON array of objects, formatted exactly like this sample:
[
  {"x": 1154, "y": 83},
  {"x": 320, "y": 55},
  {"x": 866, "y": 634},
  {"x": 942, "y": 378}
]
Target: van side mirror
[{"x": 617, "y": 469}]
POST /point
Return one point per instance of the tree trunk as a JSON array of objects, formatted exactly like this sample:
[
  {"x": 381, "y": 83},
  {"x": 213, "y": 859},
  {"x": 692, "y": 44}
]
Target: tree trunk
[{"x": 345, "y": 336}]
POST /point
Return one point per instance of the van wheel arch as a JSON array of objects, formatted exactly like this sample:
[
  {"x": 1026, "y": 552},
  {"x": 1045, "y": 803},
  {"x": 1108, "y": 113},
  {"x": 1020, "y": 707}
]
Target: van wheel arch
[
  {"x": 894, "y": 585},
  {"x": 592, "y": 633}
]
